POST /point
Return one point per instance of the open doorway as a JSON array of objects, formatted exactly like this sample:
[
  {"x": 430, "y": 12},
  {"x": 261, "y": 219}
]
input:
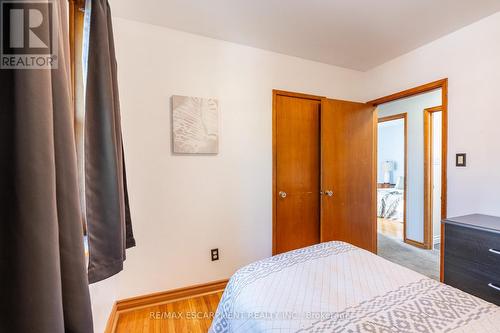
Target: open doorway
[
  {"x": 412, "y": 179},
  {"x": 433, "y": 119},
  {"x": 391, "y": 176}
]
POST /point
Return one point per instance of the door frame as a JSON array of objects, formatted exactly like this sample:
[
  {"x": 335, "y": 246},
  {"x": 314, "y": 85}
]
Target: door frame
[
  {"x": 403, "y": 116},
  {"x": 443, "y": 84},
  {"x": 277, "y": 93},
  {"x": 429, "y": 176}
]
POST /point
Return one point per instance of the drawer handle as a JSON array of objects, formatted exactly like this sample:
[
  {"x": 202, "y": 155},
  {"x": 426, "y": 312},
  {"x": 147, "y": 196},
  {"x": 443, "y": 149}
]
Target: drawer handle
[
  {"x": 491, "y": 285},
  {"x": 494, "y": 251}
]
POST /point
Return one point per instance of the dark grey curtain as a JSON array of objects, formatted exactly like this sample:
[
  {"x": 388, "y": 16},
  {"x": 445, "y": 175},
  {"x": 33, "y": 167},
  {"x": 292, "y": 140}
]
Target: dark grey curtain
[
  {"x": 107, "y": 209},
  {"x": 43, "y": 280}
]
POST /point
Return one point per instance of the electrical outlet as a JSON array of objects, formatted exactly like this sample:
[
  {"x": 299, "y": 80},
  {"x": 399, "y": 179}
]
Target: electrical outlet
[{"x": 215, "y": 254}]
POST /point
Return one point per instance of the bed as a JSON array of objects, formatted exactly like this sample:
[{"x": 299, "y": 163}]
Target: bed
[
  {"x": 390, "y": 203},
  {"x": 337, "y": 287}
]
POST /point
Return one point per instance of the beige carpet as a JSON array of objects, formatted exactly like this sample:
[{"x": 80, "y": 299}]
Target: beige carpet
[{"x": 425, "y": 262}]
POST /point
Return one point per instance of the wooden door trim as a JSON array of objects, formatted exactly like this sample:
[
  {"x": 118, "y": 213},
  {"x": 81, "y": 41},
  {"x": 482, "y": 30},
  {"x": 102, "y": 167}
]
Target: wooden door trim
[
  {"x": 403, "y": 116},
  {"x": 443, "y": 84},
  {"x": 412, "y": 242},
  {"x": 428, "y": 137},
  {"x": 428, "y": 176},
  {"x": 277, "y": 93},
  {"x": 374, "y": 181},
  {"x": 410, "y": 92},
  {"x": 393, "y": 117},
  {"x": 296, "y": 94}
]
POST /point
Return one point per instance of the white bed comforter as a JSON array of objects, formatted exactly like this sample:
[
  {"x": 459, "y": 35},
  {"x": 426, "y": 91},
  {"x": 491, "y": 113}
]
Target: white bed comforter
[
  {"x": 390, "y": 204},
  {"x": 337, "y": 287}
]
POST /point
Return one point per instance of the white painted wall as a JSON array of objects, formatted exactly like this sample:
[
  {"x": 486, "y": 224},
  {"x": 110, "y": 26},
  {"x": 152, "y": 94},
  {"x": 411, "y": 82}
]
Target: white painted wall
[
  {"x": 391, "y": 147},
  {"x": 470, "y": 59},
  {"x": 414, "y": 108},
  {"x": 183, "y": 206}
]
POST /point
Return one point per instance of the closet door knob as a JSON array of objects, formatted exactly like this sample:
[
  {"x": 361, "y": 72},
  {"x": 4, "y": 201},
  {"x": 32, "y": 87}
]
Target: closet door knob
[
  {"x": 282, "y": 194},
  {"x": 329, "y": 193}
]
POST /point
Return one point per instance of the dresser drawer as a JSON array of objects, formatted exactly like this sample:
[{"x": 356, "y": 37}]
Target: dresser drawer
[
  {"x": 473, "y": 245},
  {"x": 472, "y": 278}
]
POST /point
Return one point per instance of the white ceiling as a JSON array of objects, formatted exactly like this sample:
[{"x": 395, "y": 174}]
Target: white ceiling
[{"x": 356, "y": 34}]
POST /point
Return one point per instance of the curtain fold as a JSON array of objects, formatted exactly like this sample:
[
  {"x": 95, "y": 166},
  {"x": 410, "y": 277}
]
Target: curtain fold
[
  {"x": 108, "y": 218},
  {"x": 43, "y": 278}
]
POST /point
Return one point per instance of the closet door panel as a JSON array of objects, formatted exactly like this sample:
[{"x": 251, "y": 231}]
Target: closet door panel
[
  {"x": 297, "y": 173},
  {"x": 348, "y": 173}
]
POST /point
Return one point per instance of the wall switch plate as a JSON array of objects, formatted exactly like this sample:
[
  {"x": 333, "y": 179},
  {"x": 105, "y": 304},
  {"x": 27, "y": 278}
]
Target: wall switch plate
[
  {"x": 215, "y": 254},
  {"x": 461, "y": 160}
]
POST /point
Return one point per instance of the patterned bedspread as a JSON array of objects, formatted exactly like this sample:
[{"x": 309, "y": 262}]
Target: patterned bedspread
[{"x": 337, "y": 287}]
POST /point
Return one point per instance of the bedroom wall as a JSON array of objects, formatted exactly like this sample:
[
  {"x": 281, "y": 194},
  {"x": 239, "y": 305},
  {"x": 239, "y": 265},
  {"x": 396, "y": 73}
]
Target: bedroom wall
[
  {"x": 470, "y": 59},
  {"x": 183, "y": 206},
  {"x": 414, "y": 107},
  {"x": 391, "y": 147}
]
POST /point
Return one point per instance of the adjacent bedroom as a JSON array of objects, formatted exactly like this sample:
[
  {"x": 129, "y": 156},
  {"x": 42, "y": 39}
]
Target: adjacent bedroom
[
  {"x": 236, "y": 166},
  {"x": 391, "y": 176},
  {"x": 409, "y": 181}
]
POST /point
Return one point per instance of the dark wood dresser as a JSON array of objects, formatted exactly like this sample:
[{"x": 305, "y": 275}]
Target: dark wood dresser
[{"x": 472, "y": 255}]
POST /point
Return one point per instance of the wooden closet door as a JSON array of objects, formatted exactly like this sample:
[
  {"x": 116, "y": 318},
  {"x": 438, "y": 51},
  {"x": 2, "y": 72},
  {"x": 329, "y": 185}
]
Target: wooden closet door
[
  {"x": 297, "y": 173},
  {"x": 348, "y": 166}
]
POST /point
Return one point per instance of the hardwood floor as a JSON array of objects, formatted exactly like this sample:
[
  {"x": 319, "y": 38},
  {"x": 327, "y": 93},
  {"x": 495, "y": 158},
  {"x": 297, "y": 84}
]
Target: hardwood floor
[
  {"x": 390, "y": 228},
  {"x": 189, "y": 315}
]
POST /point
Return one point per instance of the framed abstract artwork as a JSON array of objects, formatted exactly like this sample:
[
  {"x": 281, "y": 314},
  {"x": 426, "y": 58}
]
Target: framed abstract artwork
[{"x": 195, "y": 125}]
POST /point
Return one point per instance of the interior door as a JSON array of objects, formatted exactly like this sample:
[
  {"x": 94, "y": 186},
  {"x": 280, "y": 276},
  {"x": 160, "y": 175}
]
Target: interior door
[
  {"x": 297, "y": 173},
  {"x": 348, "y": 150}
]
